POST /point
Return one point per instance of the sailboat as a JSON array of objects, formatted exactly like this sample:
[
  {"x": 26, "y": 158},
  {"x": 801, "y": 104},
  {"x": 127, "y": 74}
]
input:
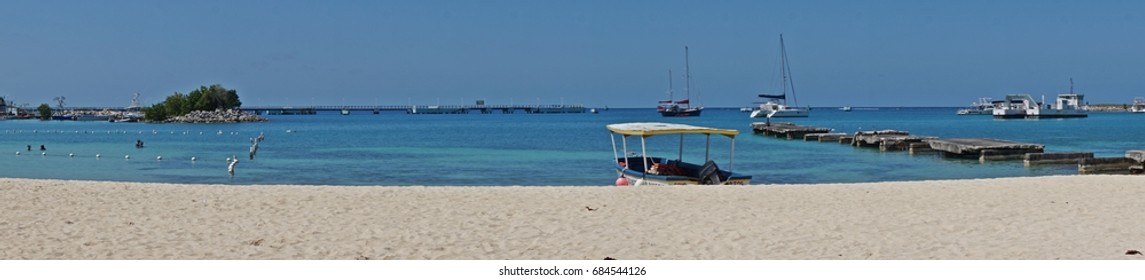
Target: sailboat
[
  {"x": 775, "y": 105},
  {"x": 671, "y": 107}
]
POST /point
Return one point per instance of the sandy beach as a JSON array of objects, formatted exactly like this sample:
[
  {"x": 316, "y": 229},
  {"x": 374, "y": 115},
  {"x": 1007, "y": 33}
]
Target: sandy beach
[{"x": 1059, "y": 217}]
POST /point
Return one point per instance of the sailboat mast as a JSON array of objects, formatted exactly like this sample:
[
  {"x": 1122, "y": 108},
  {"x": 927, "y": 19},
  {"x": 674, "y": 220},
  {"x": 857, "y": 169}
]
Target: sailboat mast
[
  {"x": 787, "y": 76},
  {"x": 687, "y": 77},
  {"x": 669, "y": 84}
]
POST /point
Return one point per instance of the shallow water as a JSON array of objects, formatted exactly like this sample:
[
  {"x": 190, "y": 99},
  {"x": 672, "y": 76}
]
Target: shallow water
[{"x": 523, "y": 149}]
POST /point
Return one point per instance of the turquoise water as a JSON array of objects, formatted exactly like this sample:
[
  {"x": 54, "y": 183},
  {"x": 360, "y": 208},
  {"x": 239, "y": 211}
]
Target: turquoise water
[{"x": 523, "y": 149}]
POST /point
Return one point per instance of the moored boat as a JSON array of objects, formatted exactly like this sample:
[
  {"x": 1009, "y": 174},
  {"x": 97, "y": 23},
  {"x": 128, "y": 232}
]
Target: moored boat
[
  {"x": 984, "y": 106},
  {"x": 642, "y": 169},
  {"x": 775, "y": 105},
  {"x": 1023, "y": 106},
  {"x": 1138, "y": 105},
  {"x": 680, "y": 108}
]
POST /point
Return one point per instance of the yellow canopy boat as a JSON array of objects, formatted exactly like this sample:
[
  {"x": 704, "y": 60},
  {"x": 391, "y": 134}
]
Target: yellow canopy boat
[{"x": 645, "y": 170}]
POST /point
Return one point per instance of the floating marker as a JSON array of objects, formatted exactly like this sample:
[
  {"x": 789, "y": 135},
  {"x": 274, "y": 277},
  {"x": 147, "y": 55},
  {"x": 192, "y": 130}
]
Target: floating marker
[
  {"x": 17, "y": 153},
  {"x": 194, "y": 158},
  {"x": 96, "y": 155},
  {"x": 127, "y": 157},
  {"x": 71, "y": 155},
  {"x": 159, "y": 158},
  {"x": 44, "y": 153}
]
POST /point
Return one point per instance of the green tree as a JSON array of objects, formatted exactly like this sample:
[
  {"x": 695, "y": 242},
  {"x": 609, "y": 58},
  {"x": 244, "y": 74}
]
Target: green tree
[
  {"x": 203, "y": 98},
  {"x": 45, "y": 111},
  {"x": 155, "y": 113}
]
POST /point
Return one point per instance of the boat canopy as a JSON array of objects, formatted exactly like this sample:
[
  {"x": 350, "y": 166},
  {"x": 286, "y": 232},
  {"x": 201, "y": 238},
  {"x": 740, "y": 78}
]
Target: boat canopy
[{"x": 650, "y": 129}]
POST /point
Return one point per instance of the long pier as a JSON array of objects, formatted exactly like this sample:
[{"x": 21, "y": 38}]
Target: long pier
[
  {"x": 408, "y": 109},
  {"x": 420, "y": 109}
]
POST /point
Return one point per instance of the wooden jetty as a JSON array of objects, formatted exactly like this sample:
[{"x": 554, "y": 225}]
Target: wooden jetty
[
  {"x": 887, "y": 140},
  {"x": 786, "y": 130},
  {"x": 984, "y": 149},
  {"x": 824, "y": 137},
  {"x": 1056, "y": 158},
  {"x": 1114, "y": 165},
  {"x": 1132, "y": 163},
  {"x": 846, "y": 140},
  {"x": 919, "y": 148}
]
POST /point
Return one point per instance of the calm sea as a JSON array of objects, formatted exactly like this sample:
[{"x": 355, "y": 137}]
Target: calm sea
[{"x": 523, "y": 149}]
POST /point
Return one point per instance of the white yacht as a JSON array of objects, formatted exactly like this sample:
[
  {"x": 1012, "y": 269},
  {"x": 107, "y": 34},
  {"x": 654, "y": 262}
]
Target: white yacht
[
  {"x": 984, "y": 106},
  {"x": 1022, "y": 106},
  {"x": 773, "y": 109},
  {"x": 1138, "y": 105},
  {"x": 775, "y": 105}
]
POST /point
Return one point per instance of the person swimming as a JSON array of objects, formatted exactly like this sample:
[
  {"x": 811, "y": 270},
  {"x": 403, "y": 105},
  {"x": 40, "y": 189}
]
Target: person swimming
[
  {"x": 138, "y": 143},
  {"x": 42, "y": 148}
]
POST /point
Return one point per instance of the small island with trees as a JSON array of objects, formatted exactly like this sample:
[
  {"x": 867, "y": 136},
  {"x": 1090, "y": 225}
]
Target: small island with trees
[{"x": 213, "y": 104}]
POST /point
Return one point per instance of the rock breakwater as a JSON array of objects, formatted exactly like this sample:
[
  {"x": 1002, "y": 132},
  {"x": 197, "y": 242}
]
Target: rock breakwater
[{"x": 217, "y": 116}]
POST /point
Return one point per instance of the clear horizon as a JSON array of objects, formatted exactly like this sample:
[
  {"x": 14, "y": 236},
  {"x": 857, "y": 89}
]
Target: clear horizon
[{"x": 595, "y": 53}]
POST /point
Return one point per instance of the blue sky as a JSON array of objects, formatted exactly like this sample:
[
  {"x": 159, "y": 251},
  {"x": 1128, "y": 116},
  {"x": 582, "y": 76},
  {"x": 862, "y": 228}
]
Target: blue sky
[{"x": 597, "y": 53}]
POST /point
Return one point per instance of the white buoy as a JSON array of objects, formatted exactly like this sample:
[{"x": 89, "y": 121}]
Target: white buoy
[
  {"x": 127, "y": 157},
  {"x": 17, "y": 153},
  {"x": 71, "y": 155},
  {"x": 159, "y": 158},
  {"x": 44, "y": 153},
  {"x": 97, "y": 155},
  {"x": 194, "y": 158}
]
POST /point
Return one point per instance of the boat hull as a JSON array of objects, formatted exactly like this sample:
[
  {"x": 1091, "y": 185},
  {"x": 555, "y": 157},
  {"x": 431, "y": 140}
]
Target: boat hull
[
  {"x": 1064, "y": 114},
  {"x": 966, "y": 112},
  {"x": 636, "y": 178},
  {"x": 689, "y": 112},
  {"x": 789, "y": 113}
]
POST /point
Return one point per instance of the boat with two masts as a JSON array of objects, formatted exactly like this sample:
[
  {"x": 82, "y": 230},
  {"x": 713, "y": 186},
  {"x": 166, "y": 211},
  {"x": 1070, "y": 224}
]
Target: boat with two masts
[
  {"x": 775, "y": 105},
  {"x": 680, "y": 108},
  {"x": 642, "y": 169}
]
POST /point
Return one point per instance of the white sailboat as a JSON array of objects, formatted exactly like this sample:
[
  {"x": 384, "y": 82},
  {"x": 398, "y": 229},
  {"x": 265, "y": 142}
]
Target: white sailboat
[{"x": 775, "y": 105}]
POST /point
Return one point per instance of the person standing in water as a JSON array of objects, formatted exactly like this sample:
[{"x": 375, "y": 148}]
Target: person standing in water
[{"x": 231, "y": 165}]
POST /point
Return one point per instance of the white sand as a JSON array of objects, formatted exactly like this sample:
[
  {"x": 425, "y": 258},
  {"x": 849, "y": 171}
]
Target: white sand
[{"x": 1069, "y": 217}]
